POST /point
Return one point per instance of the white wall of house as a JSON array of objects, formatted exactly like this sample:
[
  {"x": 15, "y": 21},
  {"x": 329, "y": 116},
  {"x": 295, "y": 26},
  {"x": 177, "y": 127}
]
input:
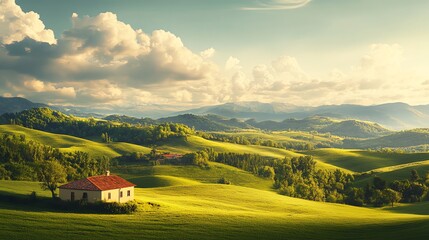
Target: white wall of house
[
  {"x": 93, "y": 196},
  {"x": 115, "y": 195}
]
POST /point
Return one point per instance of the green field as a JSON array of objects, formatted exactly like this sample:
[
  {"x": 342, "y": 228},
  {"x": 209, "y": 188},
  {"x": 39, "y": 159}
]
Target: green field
[
  {"x": 70, "y": 143},
  {"x": 195, "y": 143},
  {"x": 212, "y": 211},
  {"x": 186, "y": 175},
  {"x": 363, "y": 161},
  {"x": 286, "y": 136}
]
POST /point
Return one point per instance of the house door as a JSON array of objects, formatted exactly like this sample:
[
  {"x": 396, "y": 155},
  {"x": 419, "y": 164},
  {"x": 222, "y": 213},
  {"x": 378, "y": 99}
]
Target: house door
[
  {"x": 85, "y": 196},
  {"x": 72, "y": 196}
]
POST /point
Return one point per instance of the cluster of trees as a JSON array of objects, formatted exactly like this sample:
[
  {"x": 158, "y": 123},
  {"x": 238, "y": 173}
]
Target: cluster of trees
[
  {"x": 46, "y": 119},
  {"x": 380, "y": 193},
  {"x": 28, "y": 160},
  {"x": 295, "y": 177},
  {"x": 247, "y": 140}
]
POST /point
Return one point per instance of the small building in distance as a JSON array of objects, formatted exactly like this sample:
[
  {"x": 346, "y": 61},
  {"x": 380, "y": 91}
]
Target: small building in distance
[
  {"x": 106, "y": 188},
  {"x": 171, "y": 156}
]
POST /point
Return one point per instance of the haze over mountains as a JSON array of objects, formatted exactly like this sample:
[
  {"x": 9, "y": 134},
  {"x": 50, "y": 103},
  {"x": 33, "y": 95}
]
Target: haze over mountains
[
  {"x": 391, "y": 115},
  {"x": 396, "y": 116}
]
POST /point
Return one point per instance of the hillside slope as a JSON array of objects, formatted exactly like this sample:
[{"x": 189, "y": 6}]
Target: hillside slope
[
  {"x": 407, "y": 138},
  {"x": 347, "y": 128},
  {"x": 209, "y": 211},
  {"x": 17, "y": 104},
  {"x": 363, "y": 161},
  {"x": 396, "y": 116},
  {"x": 70, "y": 143}
]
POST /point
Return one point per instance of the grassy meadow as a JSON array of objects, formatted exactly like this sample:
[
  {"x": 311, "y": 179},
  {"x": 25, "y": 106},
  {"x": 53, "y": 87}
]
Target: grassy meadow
[
  {"x": 186, "y": 203},
  {"x": 70, "y": 143},
  {"x": 212, "y": 211},
  {"x": 362, "y": 160}
]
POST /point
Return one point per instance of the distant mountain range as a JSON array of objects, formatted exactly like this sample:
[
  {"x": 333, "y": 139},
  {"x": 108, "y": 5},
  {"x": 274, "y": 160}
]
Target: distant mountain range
[
  {"x": 270, "y": 116},
  {"x": 361, "y": 134},
  {"x": 17, "y": 104},
  {"x": 391, "y": 115}
]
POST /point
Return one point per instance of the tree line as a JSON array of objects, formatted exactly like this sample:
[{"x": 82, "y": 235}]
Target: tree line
[
  {"x": 254, "y": 140},
  {"x": 29, "y": 160},
  {"x": 46, "y": 119}
]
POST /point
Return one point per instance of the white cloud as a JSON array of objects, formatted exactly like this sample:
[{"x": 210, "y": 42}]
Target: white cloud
[
  {"x": 15, "y": 25},
  {"x": 278, "y": 5},
  {"x": 208, "y": 53},
  {"x": 42, "y": 87},
  {"x": 105, "y": 62},
  {"x": 232, "y": 63}
]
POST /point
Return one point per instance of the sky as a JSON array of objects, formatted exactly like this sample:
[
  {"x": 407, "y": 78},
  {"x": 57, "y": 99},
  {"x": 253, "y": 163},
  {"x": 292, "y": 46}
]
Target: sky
[{"x": 150, "y": 53}]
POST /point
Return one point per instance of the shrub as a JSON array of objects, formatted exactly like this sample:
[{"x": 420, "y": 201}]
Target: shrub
[{"x": 224, "y": 181}]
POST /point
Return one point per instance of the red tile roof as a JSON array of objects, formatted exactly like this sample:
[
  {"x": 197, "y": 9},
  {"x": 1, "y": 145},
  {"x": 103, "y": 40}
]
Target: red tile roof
[
  {"x": 172, "y": 156},
  {"x": 98, "y": 183}
]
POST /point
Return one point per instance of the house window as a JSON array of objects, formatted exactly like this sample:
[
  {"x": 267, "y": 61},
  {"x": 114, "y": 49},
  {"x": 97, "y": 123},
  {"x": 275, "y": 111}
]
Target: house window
[
  {"x": 109, "y": 196},
  {"x": 72, "y": 196},
  {"x": 85, "y": 196},
  {"x": 121, "y": 194},
  {"x": 128, "y": 193}
]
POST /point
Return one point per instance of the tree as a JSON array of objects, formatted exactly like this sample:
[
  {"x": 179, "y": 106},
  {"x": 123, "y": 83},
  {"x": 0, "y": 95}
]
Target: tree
[
  {"x": 414, "y": 176},
  {"x": 51, "y": 174},
  {"x": 392, "y": 196},
  {"x": 355, "y": 196},
  {"x": 379, "y": 183}
]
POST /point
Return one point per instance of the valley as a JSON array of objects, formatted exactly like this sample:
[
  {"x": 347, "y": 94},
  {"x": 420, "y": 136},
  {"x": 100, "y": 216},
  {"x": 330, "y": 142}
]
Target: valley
[{"x": 189, "y": 201}]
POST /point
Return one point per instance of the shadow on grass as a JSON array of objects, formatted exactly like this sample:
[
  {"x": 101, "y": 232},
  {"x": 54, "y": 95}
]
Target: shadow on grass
[
  {"x": 421, "y": 208},
  {"x": 44, "y": 204}
]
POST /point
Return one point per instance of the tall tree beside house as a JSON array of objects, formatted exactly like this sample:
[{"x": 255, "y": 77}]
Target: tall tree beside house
[{"x": 51, "y": 173}]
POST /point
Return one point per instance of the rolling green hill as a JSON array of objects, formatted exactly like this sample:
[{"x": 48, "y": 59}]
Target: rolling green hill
[
  {"x": 356, "y": 129},
  {"x": 195, "y": 143},
  {"x": 198, "y": 122},
  {"x": 69, "y": 143},
  {"x": 362, "y": 161},
  {"x": 397, "y": 172},
  {"x": 207, "y": 211},
  {"x": 17, "y": 104},
  {"x": 347, "y": 128},
  {"x": 287, "y": 137},
  {"x": 130, "y": 120},
  {"x": 407, "y": 138},
  {"x": 156, "y": 176}
]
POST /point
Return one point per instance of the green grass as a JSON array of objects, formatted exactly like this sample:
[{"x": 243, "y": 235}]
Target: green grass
[
  {"x": 398, "y": 172},
  {"x": 159, "y": 181},
  {"x": 207, "y": 211},
  {"x": 69, "y": 143},
  {"x": 195, "y": 143},
  {"x": 421, "y": 208},
  {"x": 185, "y": 175},
  {"x": 363, "y": 161},
  {"x": 286, "y": 136}
]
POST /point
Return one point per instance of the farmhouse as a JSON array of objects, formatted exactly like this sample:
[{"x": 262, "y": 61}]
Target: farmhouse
[{"x": 107, "y": 188}]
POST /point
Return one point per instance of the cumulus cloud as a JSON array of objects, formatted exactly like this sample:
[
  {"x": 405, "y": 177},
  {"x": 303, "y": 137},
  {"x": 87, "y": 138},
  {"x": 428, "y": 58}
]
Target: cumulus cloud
[
  {"x": 15, "y": 25},
  {"x": 232, "y": 63},
  {"x": 100, "y": 56},
  {"x": 277, "y": 5},
  {"x": 39, "y": 86},
  {"x": 103, "y": 61},
  {"x": 208, "y": 53}
]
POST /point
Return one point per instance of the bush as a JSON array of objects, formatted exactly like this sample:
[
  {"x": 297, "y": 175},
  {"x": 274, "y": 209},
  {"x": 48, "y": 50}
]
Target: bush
[
  {"x": 224, "y": 181},
  {"x": 98, "y": 207}
]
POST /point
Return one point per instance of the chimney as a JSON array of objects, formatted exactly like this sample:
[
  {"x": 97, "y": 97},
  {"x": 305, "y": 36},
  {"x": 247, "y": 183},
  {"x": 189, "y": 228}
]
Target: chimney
[{"x": 107, "y": 173}]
